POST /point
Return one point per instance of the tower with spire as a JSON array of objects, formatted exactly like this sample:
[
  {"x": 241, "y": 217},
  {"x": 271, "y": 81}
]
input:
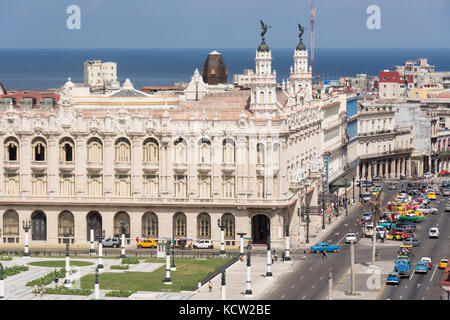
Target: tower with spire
[
  {"x": 263, "y": 87},
  {"x": 301, "y": 76}
]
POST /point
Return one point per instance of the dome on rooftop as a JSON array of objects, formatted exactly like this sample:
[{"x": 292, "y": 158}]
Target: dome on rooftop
[
  {"x": 263, "y": 46},
  {"x": 214, "y": 69}
]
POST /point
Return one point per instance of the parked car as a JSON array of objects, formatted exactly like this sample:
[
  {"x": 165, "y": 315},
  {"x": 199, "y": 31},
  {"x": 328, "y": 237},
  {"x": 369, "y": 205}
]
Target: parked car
[
  {"x": 325, "y": 246},
  {"x": 447, "y": 207},
  {"x": 350, "y": 237},
  {"x": 392, "y": 187},
  {"x": 111, "y": 242},
  {"x": 428, "y": 210},
  {"x": 411, "y": 241},
  {"x": 203, "y": 244},
  {"x": 366, "y": 196},
  {"x": 443, "y": 173},
  {"x": 427, "y": 175},
  {"x": 147, "y": 243},
  {"x": 393, "y": 278},
  {"x": 433, "y": 233},
  {"x": 397, "y": 235},
  {"x": 443, "y": 263},
  {"x": 421, "y": 267},
  {"x": 446, "y": 192},
  {"x": 427, "y": 261},
  {"x": 367, "y": 216}
]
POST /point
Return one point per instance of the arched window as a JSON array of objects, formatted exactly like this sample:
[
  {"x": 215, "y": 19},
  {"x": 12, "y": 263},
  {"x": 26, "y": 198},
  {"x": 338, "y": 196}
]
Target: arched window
[
  {"x": 118, "y": 218},
  {"x": 179, "y": 225},
  {"x": 228, "y": 147},
  {"x": 11, "y": 149},
  {"x": 180, "y": 150},
  {"x": 151, "y": 151},
  {"x": 150, "y": 225},
  {"x": 204, "y": 146},
  {"x": 123, "y": 150},
  {"x": 10, "y": 224},
  {"x": 261, "y": 97},
  {"x": 39, "y": 148},
  {"x": 229, "y": 223},
  {"x": 260, "y": 157},
  {"x": 203, "y": 226},
  {"x": 66, "y": 150},
  {"x": 94, "y": 150},
  {"x": 66, "y": 225}
]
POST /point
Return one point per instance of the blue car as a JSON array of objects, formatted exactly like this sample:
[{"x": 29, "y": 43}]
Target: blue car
[
  {"x": 325, "y": 246},
  {"x": 393, "y": 278},
  {"x": 421, "y": 267}
]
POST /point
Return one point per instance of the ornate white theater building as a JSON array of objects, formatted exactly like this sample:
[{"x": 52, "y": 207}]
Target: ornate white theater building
[{"x": 170, "y": 165}]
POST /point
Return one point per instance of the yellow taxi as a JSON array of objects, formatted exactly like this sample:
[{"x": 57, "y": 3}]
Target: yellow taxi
[
  {"x": 147, "y": 243},
  {"x": 419, "y": 214},
  {"x": 443, "y": 263},
  {"x": 431, "y": 195}
]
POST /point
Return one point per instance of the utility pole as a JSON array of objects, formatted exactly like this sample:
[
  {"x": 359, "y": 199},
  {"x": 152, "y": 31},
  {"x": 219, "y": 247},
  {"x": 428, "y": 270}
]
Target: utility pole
[{"x": 352, "y": 265}]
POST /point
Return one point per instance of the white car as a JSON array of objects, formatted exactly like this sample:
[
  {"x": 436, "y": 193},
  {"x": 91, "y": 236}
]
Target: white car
[
  {"x": 433, "y": 233},
  {"x": 427, "y": 175},
  {"x": 203, "y": 244},
  {"x": 350, "y": 237},
  {"x": 427, "y": 260},
  {"x": 366, "y": 196}
]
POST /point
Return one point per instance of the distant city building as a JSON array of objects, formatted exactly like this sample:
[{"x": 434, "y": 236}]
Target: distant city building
[
  {"x": 99, "y": 74},
  {"x": 243, "y": 80},
  {"x": 393, "y": 85}
]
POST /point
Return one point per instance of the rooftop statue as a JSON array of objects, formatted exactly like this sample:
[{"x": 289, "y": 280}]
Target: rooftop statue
[
  {"x": 301, "y": 29},
  {"x": 264, "y": 27}
]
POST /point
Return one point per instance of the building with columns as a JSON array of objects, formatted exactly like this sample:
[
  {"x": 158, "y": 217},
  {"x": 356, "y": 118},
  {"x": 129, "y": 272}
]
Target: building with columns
[
  {"x": 170, "y": 165},
  {"x": 384, "y": 148}
]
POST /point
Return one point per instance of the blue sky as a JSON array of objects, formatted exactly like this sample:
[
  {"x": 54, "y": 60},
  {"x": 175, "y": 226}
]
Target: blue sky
[{"x": 222, "y": 23}]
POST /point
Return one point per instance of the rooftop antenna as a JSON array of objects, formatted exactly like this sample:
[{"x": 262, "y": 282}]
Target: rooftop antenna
[{"x": 312, "y": 15}]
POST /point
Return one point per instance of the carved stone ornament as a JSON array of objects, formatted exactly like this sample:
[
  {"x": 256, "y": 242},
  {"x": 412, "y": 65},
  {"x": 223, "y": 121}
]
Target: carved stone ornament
[{"x": 298, "y": 174}]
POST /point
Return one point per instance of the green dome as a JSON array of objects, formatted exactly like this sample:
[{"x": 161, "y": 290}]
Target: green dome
[
  {"x": 301, "y": 46},
  {"x": 263, "y": 47}
]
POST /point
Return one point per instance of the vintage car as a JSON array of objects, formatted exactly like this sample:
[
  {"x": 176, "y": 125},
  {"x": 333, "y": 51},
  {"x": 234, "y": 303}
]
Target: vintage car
[
  {"x": 421, "y": 267},
  {"x": 393, "y": 278},
  {"x": 325, "y": 246},
  {"x": 443, "y": 263},
  {"x": 147, "y": 243}
]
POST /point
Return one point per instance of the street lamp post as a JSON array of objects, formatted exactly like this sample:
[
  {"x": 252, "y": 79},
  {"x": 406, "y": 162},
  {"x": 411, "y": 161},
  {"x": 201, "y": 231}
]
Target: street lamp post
[
  {"x": 345, "y": 197},
  {"x": 354, "y": 189},
  {"x": 67, "y": 282},
  {"x": 2, "y": 284},
  {"x": 97, "y": 285},
  {"x": 167, "y": 280},
  {"x": 337, "y": 203},
  {"x": 100, "y": 266},
  {"x": 222, "y": 288},
  {"x": 248, "y": 291},
  {"x": 287, "y": 256},
  {"x": 26, "y": 227},
  {"x": 241, "y": 244},
  {"x": 330, "y": 286},
  {"x": 91, "y": 224},
  {"x": 222, "y": 236},
  {"x": 173, "y": 267},
  {"x": 269, "y": 259},
  {"x": 122, "y": 244},
  {"x": 308, "y": 221}
]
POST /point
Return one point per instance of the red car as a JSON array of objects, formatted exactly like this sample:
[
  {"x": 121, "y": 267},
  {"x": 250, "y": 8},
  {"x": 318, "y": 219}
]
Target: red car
[
  {"x": 443, "y": 173},
  {"x": 397, "y": 235}
]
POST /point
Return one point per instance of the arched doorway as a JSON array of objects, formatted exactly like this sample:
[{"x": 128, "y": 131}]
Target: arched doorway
[
  {"x": 121, "y": 217},
  {"x": 38, "y": 226},
  {"x": 260, "y": 228},
  {"x": 95, "y": 219}
]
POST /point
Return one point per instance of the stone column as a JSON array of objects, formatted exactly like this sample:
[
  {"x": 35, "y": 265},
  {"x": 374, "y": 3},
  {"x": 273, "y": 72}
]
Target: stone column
[
  {"x": 80, "y": 156},
  {"x": 25, "y": 157},
  {"x": 136, "y": 168},
  {"x": 108, "y": 168},
  {"x": 53, "y": 164}
]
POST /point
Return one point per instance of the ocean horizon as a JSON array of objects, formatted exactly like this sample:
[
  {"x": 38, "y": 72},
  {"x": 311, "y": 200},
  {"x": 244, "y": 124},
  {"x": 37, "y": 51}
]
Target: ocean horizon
[{"x": 45, "y": 68}]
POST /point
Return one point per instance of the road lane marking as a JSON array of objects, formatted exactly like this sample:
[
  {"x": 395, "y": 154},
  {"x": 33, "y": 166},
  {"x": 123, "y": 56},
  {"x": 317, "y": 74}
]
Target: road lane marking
[
  {"x": 313, "y": 286},
  {"x": 310, "y": 268},
  {"x": 418, "y": 285},
  {"x": 401, "y": 297},
  {"x": 341, "y": 239},
  {"x": 321, "y": 277},
  {"x": 282, "y": 296},
  {"x": 406, "y": 287},
  {"x": 293, "y": 286},
  {"x": 412, "y": 275},
  {"x": 303, "y": 297},
  {"x": 301, "y": 277},
  {"x": 435, "y": 267}
]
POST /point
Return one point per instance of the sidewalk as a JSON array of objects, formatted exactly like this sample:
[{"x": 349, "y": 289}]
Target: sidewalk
[{"x": 236, "y": 279}]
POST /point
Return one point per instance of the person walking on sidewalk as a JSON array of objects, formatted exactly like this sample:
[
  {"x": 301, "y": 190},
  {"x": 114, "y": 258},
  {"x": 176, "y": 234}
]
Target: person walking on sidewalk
[{"x": 210, "y": 286}]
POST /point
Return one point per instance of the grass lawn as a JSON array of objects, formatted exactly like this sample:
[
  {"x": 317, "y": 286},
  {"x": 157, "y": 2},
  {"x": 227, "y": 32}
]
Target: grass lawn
[
  {"x": 60, "y": 263},
  {"x": 189, "y": 271}
]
